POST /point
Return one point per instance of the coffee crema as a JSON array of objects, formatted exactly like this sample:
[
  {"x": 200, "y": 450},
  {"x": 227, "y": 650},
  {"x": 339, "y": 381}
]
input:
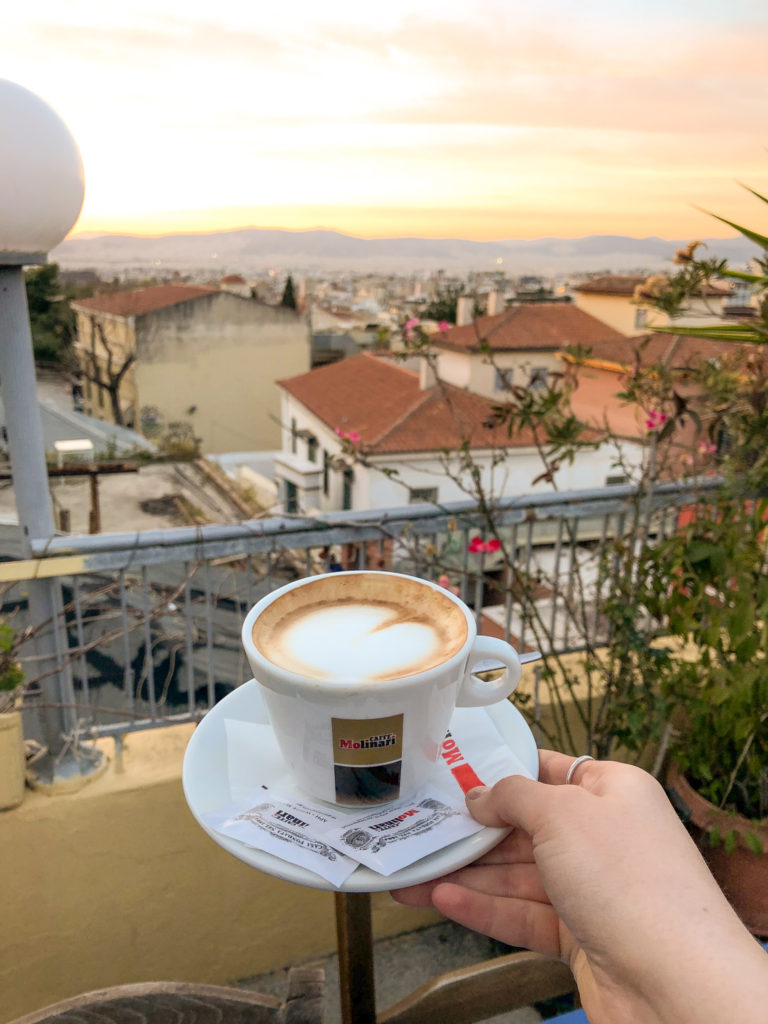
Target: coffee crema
[{"x": 362, "y": 628}]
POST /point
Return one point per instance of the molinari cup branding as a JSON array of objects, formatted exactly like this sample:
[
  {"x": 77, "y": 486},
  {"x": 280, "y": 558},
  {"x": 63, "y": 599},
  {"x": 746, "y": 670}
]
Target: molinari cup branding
[
  {"x": 367, "y": 759},
  {"x": 360, "y": 673}
]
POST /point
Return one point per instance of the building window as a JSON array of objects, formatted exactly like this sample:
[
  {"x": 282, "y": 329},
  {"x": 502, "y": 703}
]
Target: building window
[
  {"x": 538, "y": 377},
  {"x": 502, "y": 380},
  {"x": 641, "y": 318},
  {"x": 346, "y": 495},
  {"x": 312, "y": 448},
  {"x": 291, "y": 502},
  {"x": 294, "y": 435},
  {"x": 613, "y": 481},
  {"x": 422, "y": 495},
  {"x": 326, "y": 472}
]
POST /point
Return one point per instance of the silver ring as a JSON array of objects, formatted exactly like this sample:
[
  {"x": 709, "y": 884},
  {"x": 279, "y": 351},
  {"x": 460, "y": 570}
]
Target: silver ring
[{"x": 575, "y": 765}]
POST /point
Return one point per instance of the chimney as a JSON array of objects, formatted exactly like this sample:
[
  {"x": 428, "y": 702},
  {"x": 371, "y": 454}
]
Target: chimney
[
  {"x": 496, "y": 303},
  {"x": 427, "y": 376},
  {"x": 465, "y": 311}
]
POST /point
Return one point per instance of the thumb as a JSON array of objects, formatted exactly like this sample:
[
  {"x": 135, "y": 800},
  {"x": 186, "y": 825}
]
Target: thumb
[{"x": 514, "y": 800}]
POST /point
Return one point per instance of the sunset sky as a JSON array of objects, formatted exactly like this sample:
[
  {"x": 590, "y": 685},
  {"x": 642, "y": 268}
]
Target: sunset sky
[{"x": 473, "y": 119}]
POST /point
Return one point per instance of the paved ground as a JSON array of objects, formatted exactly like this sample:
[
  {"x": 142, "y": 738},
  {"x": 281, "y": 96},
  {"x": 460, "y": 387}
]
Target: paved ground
[{"x": 403, "y": 963}]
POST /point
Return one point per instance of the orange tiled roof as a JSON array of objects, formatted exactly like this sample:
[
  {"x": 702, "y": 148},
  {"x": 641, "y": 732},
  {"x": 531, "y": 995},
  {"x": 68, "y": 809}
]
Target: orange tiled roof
[
  {"x": 384, "y": 404},
  {"x": 625, "y": 284},
  {"x": 233, "y": 279},
  {"x": 679, "y": 350},
  {"x": 143, "y": 300},
  {"x": 528, "y": 327}
]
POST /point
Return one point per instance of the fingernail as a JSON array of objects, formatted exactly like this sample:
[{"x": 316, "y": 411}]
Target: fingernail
[{"x": 478, "y": 791}]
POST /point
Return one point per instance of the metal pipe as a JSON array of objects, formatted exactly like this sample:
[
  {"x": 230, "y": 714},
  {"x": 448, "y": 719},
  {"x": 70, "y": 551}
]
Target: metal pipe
[{"x": 33, "y": 503}]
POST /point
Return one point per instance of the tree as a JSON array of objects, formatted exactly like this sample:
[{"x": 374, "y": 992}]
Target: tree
[
  {"x": 106, "y": 368},
  {"x": 443, "y": 306},
  {"x": 289, "y": 298},
  {"x": 51, "y": 320}
]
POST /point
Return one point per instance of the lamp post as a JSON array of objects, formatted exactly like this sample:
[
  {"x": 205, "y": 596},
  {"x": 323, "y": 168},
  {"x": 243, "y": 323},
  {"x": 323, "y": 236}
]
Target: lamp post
[{"x": 41, "y": 194}]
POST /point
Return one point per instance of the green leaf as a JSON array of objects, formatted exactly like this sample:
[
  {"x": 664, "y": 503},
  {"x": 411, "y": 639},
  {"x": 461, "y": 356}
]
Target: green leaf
[
  {"x": 753, "y": 236},
  {"x": 730, "y": 841},
  {"x": 754, "y": 842}
]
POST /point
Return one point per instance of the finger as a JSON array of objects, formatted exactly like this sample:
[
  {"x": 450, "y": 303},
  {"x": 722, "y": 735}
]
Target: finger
[
  {"x": 517, "y": 922},
  {"x": 553, "y": 767},
  {"x": 515, "y": 850},
  {"x": 416, "y": 895},
  {"x": 521, "y": 881}
]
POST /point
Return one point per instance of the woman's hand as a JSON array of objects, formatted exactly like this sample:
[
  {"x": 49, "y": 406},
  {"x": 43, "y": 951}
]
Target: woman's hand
[{"x": 602, "y": 874}]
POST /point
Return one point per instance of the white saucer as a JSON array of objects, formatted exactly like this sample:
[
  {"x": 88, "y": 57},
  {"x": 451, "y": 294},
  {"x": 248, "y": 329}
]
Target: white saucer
[{"x": 206, "y": 779}]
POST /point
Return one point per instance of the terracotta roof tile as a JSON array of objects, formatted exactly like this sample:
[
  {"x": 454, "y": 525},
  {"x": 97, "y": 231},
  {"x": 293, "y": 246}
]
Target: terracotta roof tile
[
  {"x": 143, "y": 300},
  {"x": 613, "y": 284},
  {"x": 625, "y": 284},
  {"x": 680, "y": 350},
  {"x": 528, "y": 327},
  {"x": 385, "y": 405}
]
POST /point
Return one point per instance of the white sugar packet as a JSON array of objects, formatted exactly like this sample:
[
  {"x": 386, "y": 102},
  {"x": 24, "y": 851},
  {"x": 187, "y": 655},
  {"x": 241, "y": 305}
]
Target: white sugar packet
[
  {"x": 292, "y": 831},
  {"x": 404, "y": 831}
]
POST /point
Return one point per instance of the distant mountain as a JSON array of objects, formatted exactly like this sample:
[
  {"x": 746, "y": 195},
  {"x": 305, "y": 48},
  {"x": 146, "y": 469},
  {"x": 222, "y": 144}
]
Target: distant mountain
[{"x": 251, "y": 250}]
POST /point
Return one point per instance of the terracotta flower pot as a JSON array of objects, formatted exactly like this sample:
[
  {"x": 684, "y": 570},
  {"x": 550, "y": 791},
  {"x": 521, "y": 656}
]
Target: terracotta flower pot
[
  {"x": 741, "y": 874},
  {"x": 11, "y": 760}
]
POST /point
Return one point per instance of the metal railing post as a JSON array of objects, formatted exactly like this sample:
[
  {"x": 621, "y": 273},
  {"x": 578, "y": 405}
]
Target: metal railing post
[{"x": 30, "y": 481}]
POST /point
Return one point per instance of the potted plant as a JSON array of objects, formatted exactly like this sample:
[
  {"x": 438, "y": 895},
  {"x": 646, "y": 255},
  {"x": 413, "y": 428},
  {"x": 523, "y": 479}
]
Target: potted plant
[
  {"x": 12, "y": 760},
  {"x": 708, "y": 584}
]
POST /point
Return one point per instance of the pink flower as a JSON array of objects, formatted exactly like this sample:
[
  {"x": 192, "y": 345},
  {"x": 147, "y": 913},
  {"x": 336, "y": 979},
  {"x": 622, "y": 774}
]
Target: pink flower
[
  {"x": 477, "y": 545},
  {"x": 655, "y": 420},
  {"x": 707, "y": 447},
  {"x": 413, "y": 322},
  {"x": 443, "y": 326},
  {"x": 352, "y": 436}
]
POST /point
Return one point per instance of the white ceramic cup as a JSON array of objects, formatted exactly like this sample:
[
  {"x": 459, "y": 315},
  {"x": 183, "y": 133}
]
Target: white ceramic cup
[{"x": 356, "y": 743}]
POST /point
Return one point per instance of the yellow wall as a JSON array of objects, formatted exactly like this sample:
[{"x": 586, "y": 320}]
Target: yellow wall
[
  {"x": 118, "y": 884},
  {"x": 619, "y": 312},
  {"x": 120, "y": 336}
]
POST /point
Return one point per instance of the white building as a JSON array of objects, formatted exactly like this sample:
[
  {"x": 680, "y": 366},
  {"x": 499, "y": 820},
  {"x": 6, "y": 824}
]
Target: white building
[{"x": 367, "y": 433}]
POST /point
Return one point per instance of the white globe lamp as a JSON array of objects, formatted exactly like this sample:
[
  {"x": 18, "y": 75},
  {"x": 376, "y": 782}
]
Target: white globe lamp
[{"x": 41, "y": 177}]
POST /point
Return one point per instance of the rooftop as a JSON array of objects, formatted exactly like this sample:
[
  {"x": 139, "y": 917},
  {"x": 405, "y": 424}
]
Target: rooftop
[
  {"x": 625, "y": 284},
  {"x": 142, "y": 300},
  {"x": 678, "y": 349},
  {"x": 528, "y": 327},
  {"x": 386, "y": 405}
]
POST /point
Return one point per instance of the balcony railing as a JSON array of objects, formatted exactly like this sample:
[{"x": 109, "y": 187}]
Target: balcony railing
[{"x": 149, "y": 628}]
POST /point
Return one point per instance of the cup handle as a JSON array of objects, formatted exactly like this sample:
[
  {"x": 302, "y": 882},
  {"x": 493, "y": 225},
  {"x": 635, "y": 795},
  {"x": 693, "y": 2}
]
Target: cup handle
[{"x": 476, "y": 692}]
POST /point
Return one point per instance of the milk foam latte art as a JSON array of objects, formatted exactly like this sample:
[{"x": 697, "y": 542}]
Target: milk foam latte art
[
  {"x": 360, "y": 673},
  {"x": 348, "y": 638}
]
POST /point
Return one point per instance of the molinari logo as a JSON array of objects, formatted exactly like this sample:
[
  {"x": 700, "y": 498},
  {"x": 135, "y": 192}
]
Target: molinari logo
[
  {"x": 384, "y": 826},
  {"x": 386, "y": 739}
]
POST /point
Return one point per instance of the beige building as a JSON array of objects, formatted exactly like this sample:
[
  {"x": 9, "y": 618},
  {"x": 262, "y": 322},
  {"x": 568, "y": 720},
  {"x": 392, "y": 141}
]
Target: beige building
[
  {"x": 610, "y": 298},
  {"x": 196, "y": 355}
]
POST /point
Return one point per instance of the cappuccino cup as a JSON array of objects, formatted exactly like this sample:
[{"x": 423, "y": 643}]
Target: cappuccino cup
[{"x": 360, "y": 673}]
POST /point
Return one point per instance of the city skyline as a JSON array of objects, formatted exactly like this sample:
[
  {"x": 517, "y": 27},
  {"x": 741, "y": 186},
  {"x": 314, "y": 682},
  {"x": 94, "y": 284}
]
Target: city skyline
[{"x": 481, "y": 123}]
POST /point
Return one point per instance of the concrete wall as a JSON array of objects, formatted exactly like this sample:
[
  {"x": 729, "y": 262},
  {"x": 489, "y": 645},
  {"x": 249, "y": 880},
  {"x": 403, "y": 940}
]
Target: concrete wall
[
  {"x": 118, "y": 884},
  {"x": 220, "y": 356}
]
